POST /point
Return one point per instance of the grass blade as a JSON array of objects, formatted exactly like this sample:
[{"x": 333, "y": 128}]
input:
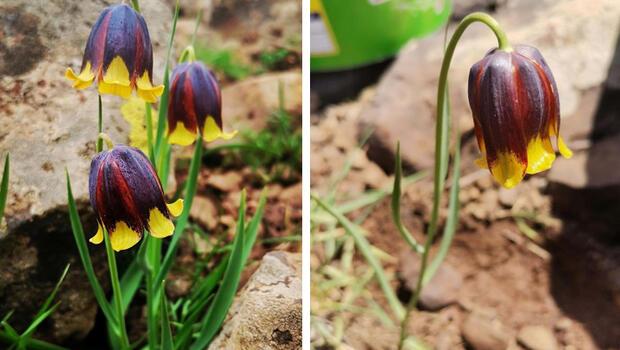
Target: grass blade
[
  {"x": 226, "y": 293},
  {"x": 34, "y": 324},
  {"x": 32, "y": 344},
  {"x": 252, "y": 229},
  {"x": 396, "y": 193},
  {"x": 80, "y": 241},
  {"x": 45, "y": 309},
  {"x": 167, "y": 342},
  {"x": 366, "y": 251},
  {"x": 4, "y": 186}
]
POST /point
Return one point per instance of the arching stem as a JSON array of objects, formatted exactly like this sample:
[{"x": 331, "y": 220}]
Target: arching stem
[{"x": 441, "y": 147}]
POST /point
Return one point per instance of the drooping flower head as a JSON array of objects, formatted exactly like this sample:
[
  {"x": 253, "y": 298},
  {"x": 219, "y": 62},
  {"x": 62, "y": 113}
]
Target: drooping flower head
[
  {"x": 195, "y": 104},
  {"x": 127, "y": 198},
  {"x": 516, "y": 111},
  {"x": 118, "y": 56}
]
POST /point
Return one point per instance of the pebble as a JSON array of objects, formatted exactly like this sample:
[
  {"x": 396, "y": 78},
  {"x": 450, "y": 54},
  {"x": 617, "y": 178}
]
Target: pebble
[
  {"x": 537, "y": 338},
  {"x": 481, "y": 333}
]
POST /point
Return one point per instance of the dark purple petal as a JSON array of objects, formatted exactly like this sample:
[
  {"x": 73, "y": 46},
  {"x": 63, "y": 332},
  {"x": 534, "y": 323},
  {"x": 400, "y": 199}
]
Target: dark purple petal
[{"x": 121, "y": 39}]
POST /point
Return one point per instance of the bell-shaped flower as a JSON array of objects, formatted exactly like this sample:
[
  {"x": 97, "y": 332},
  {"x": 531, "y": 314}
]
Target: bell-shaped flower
[
  {"x": 516, "y": 111},
  {"x": 118, "y": 56},
  {"x": 127, "y": 197},
  {"x": 195, "y": 104}
]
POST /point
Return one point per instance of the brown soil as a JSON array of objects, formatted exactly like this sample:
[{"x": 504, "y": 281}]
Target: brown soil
[{"x": 566, "y": 281}]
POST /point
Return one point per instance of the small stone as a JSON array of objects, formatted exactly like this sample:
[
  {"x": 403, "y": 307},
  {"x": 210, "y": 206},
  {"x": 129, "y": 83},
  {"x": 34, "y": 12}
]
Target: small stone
[
  {"x": 225, "y": 182},
  {"x": 441, "y": 291},
  {"x": 204, "y": 212},
  {"x": 482, "y": 333},
  {"x": 537, "y": 338},
  {"x": 508, "y": 197},
  {"x": 563, "y": 324}
]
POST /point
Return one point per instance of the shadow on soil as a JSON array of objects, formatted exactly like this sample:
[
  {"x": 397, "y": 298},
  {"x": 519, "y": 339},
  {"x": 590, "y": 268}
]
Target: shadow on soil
[{"x": 585, "y": 270}]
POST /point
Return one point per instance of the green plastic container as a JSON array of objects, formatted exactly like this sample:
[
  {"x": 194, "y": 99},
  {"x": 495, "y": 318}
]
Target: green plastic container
[{"x": 346, "y": 34}]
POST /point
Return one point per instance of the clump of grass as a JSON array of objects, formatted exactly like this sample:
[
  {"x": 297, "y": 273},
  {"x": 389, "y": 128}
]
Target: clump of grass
[
  {"x": 224, "y": 62},
  {"x": 274, "y": 152}
]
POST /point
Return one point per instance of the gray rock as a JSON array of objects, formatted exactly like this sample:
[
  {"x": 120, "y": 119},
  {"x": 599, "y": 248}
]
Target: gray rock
[
  {"x": 482, "y": 333},
  {"x": 47, "y": 126},
  {"x": 537, "y": 338},
  {"x": 266, "y": 314},
  {"x": 576, "y": 37}
]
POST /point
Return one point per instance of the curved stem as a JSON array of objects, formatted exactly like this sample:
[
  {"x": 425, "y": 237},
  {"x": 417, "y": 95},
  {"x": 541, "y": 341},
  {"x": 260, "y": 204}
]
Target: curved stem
[
  {"x": 188, "y": 54},
  {"x": 136, "y": 5},
  {"x": 442, "y": 143},
  {"x": 108, "y": 141}
]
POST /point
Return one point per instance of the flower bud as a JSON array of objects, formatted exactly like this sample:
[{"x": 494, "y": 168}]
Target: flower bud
[
  {"x": 516, "y": 111},
  {"x": 118, "y": 55}
]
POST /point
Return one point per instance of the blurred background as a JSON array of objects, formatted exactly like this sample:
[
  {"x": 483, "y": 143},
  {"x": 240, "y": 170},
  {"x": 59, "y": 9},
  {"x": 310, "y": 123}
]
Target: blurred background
[{"x": 535, "y": 267}]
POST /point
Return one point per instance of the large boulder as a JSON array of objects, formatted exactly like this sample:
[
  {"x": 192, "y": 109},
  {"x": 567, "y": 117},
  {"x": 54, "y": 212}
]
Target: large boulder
[
  {"x": 266, "y": 315},
  {"x": 47, "y": 126}
]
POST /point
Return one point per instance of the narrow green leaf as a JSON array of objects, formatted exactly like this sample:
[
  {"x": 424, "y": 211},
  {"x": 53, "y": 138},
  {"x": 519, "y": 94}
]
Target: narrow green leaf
[
  {"x": 190, "y": 192},
  {"x": 36, "y": 322},
  {"x": 366, "y": 251},
  {"x": 10, "y": 330},
  {"x": 396, "y": 193},
  {"x": 184, "y": 334},
  {"x": 4, "y": 186},
  {"x": 228, "y": 288},
  {"x": 32, "y": 344},
  {"x": 206, "y": 285},
  {"x": 252, "y": 229},
  {"x": 167, "y": 342},
  {"x": 45, "y": 309},
  {"x": 80, "y": 241}
]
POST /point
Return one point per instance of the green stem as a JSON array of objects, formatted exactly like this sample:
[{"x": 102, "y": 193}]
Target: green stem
[
  {"x": 116, "y": 291},
  {"x": 99, "y": 146},
  {"x": 136, "y": 5},
  {"x": 108, "y": 141},
  {"x": 441, "y": 146},
  {"x": 188, "y": 54}
]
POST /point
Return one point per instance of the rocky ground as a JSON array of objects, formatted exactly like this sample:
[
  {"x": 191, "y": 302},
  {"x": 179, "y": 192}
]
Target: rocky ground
[
  {"x": 535, "y": 267},
  {"x": 48, "y": 127}
]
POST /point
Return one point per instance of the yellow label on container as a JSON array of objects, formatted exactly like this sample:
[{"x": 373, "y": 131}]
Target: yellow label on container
[{"x": 322, "y": 39}]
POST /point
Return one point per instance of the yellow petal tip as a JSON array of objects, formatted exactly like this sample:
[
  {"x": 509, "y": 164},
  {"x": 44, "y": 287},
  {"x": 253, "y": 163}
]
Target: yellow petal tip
[
  {"x": 213, "y": 132},
  {"x": 181, "y": 135},
  {"x": 98, "y": 237},
  {"x": 540, "y": 155},
  {"x": 564, "y": 150},
  {"x": 159, "y": 225},
  {"x": 176, "y": 207},
  {"x": 507, "y": 170},
  {"x": 123, "y": 237}
]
